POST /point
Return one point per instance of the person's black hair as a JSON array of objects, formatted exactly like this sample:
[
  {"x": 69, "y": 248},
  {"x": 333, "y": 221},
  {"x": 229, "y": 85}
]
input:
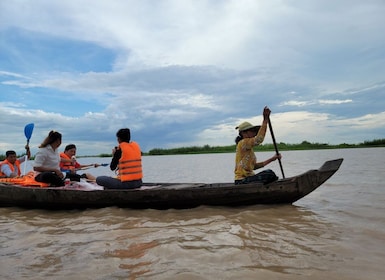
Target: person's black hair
[
  {"x": 69, "y": 147},
  {"x": 124, "y": 134},
  {"x": 238, "y": 138},
  {"x": 9, "y": 153}
]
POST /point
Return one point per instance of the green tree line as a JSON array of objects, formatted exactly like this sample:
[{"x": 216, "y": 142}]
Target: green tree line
[
  {"x": 305, "y": 145},
  {"x": 206, "y": 149}
]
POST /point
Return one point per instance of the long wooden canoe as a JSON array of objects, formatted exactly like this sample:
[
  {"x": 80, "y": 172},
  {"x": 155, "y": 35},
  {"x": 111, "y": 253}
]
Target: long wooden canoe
[{"x": 170, "y": 195}]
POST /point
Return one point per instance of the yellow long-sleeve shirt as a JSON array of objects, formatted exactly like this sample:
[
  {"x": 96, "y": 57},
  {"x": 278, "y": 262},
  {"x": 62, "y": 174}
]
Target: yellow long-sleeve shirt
[{"x": 245, "y": 159}]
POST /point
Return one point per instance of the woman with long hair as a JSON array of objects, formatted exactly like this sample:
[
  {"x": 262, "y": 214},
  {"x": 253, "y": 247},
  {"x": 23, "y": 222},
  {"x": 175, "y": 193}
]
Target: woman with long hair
[{"x": 47, "y": 160}]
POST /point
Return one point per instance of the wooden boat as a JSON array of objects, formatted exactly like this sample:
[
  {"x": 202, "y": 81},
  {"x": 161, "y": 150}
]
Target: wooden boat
[{"x": 170, "y": 195}]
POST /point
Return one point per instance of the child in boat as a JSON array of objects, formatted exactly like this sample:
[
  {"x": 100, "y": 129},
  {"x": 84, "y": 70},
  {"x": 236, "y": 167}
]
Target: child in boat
[
  {"x": 245, "y": 159},
  {"x": 69, "y": 164}
]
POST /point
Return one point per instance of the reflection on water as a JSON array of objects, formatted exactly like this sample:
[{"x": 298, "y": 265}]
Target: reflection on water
[
  {"x": 132, "y": 243},
  {"x": 134, "y": 251}
]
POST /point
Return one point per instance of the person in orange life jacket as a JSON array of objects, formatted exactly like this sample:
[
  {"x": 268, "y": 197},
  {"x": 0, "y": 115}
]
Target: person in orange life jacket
[
  {"x": 10, "y": 167},
  {"x": 47, "y": 161},
  {"x": 245, "y": 159},
  {"x": 69, "y": 164},
  {"x": 127, "y": 161}
]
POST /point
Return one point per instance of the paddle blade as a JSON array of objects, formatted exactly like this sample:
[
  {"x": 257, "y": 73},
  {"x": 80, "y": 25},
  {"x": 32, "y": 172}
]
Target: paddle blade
[
  {"x": 28, "y": 131},
  {"x": 104, "y": 164}
]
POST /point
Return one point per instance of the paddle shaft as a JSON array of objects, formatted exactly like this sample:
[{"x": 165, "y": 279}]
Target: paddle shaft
[
  {"x": 275, "y": 146},
  {"x": 91, "y": 166}
]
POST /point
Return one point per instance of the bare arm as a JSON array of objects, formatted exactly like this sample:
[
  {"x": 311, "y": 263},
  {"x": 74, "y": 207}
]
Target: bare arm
[{"x": 266, "y": 162}]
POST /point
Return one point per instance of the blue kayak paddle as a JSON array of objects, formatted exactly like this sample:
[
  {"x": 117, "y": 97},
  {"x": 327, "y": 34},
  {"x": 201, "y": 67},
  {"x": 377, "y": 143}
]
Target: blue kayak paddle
[
  {"x": 28, "y": 133},
  {"x": 28, "y": 129}
]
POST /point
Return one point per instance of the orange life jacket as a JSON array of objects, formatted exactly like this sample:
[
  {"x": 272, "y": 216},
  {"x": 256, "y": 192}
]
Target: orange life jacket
[
  {"x": 65, "y": 165},
  {"x": 130, "y": 163},
  {"x": 28, "y": 180},
  {"x": 17, "y": 163}
]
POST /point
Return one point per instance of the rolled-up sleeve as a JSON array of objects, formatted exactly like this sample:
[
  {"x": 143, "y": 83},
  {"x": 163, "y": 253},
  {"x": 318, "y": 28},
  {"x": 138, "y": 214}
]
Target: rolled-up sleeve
[{"x": 258, "y": 139}]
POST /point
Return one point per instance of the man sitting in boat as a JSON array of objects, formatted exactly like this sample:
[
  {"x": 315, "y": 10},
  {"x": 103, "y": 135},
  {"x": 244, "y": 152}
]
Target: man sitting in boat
[
  {"x": 68, "y": 162},
  {"x": 245, "y": 159},
  {"x": 127, "y": 161},
  {"x": 10, "y": 167}
]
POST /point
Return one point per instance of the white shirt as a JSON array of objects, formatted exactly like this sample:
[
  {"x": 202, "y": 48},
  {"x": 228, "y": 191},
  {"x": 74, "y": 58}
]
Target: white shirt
[{"x": 47, "y": 157}]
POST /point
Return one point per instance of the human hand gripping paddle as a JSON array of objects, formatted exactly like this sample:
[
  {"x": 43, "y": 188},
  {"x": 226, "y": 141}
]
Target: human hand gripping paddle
[
  {"x": 28, "y": 129},
  {"x": 275, "y": 145}
]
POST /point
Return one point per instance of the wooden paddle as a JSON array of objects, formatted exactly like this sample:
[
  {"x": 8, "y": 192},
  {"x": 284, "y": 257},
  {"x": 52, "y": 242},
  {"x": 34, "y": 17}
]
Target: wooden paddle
[{"x": 275, "y": 146}]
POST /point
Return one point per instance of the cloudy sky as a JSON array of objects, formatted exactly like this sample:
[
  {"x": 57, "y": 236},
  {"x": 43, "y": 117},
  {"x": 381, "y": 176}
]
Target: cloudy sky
[{"x": 186, "y": 72}]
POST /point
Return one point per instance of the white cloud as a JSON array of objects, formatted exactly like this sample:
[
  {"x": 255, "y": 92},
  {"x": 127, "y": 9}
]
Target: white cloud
[
  {"x": 228, "y": 33},
  {"x": 335, "y": 101},
  {"x": 298, "y": 126},
  {"x": 366, "y": 122},
  {"x": 295, "y": 103},
  {"x": 192, "y": 70}
]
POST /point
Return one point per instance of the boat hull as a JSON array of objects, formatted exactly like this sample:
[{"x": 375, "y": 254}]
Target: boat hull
[{"x": 171, "y": 195}]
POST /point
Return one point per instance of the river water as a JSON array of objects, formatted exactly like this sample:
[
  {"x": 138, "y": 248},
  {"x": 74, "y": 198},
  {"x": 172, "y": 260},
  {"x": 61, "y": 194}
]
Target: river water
[{"x": 336, "y": 232}]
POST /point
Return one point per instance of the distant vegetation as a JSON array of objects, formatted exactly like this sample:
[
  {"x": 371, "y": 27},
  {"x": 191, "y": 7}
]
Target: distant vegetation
[
  {"x": 305, "y": 145},
  {"x": 206, "y": 149}
]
